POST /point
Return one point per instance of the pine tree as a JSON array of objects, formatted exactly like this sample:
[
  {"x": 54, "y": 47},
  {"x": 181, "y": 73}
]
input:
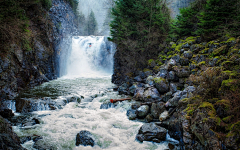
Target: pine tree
[{"x": 91, "y": 24}]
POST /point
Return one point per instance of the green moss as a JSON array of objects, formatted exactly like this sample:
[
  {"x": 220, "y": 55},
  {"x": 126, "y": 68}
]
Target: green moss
[
  {"x": 190, "y": 40},
  {"x": 220, "y": 50},
  {"x": 174, "y": 46},
  {"x": 169, "y": 57},
  {"x": 212, "y": 111},
  {"x": 150, "y": 61},
  {"x": 201, "y": 63},
  {"x": 170, "y": 53},
  {"x": 228, "y": 119},
  {"x": 225, "y": 103},
  {"x": 205, "y": 51},
  {"x": 146, "y": 69},
  {"x": 159, "y": 80},
  {"x": 231, "y": 39},
  {"x": 156, "y": 68}
]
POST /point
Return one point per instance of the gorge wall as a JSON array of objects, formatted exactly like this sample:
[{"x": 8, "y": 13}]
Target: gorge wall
[
  {"x": 50, "y": 30},
  {"x": 175, "y": 5}
]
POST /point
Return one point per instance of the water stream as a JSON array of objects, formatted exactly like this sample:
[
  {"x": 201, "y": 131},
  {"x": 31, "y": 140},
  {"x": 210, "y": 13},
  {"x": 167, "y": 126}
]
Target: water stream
[{"x": 89, "y": 79}]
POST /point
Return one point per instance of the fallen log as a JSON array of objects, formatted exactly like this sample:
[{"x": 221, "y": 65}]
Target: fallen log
[{"x": 119, "y": 100}]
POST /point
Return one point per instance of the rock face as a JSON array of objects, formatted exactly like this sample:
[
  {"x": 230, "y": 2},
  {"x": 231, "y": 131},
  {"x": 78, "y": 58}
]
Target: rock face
[
  {"x": 8, "y": 139},
  {"x": 19, "y": 68},
  {"x": 151, "y": 132},
  {"x": 85, "y": 138}
]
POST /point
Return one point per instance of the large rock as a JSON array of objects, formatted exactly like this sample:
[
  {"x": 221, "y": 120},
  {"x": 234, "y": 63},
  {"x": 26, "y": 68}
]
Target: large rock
[
  {"x": 143, "y": 111},
  {"x": 157, "y": 109},
  {"x": 162, "y": 73},
  {"x": 132, "y": 114},
  {"x": 151, "y": 132},
  {"x": 151, "y": 94},
  {"x": 138, "y": 94},
  {"x": 6, "y": 113},
  {"x": 8, "y": 139},
  {"x": 85, "y": 138},
  {"x": 161, "y": 84},
  {"x": 150, "y": 81},
  {"x": 182, "y": 71},
  {"x": 188, "y": 54},
  {"x": 174, "y": 101}
]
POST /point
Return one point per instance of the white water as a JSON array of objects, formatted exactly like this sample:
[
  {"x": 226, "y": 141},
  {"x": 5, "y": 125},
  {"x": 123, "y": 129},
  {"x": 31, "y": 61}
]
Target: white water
[{"x": 87, "y": 76}]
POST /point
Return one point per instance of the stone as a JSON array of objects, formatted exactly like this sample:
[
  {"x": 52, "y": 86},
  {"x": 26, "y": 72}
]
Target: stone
[
  {"x": 174, "y": 101},
  {"x": 85, "y": 138},
  {"x": 151, "y": 132},
  {"x": 149, "y": 80},
  {"x": 182, "y": 72},
  {"x": 176, "y": 58},
  {"x": 139, "y": 93},
  {"x": 161, "y": 84},
  {"x": 133, "y": 88},
  {"x": 157, "y": 109},
  {"x": 167, "y": 96},
  {"x": 173, "y": 87},
  {"x": 42, "y": 145},
  {"x": 123, "y": 89},
  {"x": 135, "y": 105},
  {"x": 106, "y": 105},
  {"x": 170, "y": 64},
  {"x": 163, "y": 116},
  {"x": 143, "y": 111},
  {"x": 8, "y": 139},
  {"x": 162, "y": 73},
  {"x": 6, "y": 113},
  {"x": 188, "y": 54},
  {"x": 151, "y": 94},
  {"x": 138, "y": 79},
  {"x": 171, "y": 76},
  {"x": 132, "y": 114},
  {"x": 184, "y": 61},
  {"x": 149, "y": 118}
]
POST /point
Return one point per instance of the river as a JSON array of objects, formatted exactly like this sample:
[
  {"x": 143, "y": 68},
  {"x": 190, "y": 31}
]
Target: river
[{"x": 110, "y": 127}]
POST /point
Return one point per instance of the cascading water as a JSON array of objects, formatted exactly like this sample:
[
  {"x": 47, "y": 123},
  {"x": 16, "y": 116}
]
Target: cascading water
[
  {"x": 88, "y": 80},
  {"x": 90, "y": 56}
]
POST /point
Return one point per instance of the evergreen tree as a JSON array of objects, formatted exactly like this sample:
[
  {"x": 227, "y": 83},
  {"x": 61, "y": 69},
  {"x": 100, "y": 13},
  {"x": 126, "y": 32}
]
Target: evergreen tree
[
  {"x": 91, "y": 24},
  {"x": 217, "y": 17}
]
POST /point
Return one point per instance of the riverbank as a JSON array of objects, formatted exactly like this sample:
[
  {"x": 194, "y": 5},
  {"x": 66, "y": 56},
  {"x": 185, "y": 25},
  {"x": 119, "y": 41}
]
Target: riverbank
[{"x": 191, "y": 90}]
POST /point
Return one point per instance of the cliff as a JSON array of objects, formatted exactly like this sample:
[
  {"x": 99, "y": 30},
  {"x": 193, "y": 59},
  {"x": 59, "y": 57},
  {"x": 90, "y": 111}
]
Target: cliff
[{"x": 33, "y": 57}]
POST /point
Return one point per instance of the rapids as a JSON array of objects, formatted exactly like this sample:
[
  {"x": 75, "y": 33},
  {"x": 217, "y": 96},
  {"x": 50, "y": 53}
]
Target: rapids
[{"x": 89, "y": 78}]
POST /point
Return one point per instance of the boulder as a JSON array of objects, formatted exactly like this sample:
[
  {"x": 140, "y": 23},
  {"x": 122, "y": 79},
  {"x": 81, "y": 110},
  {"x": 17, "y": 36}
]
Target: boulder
[
  {"x": 170, "y": 64},
  {"x": 171, "y": 76},
  {"x": 174, "y": 101},
  {"x": 173, "y": 87},
  {"x": 163, "y": 116},
  {"x": 138, "y": 79},
  {"x": 106, "y": 105},
  {"x": 162, "y": 73},
  {"x": 151, "y": 132},
  {"x": 157, "y": 109},
  {"x": 42, "y": 145},
  {"x": 184, "y": 61},
  {"x": 182, "y": 71},
  {"x": 188, "y": 54},
  {"x": 161, "y": 84},
  {"x": 150, "y": 81},
  {"x": 176, "y": 58},
  {"x": 8, "y": 139},
  {"x": 6, "y": 113},
  {"x": 85, "y": 138},
  {"x": 143, "y": 111},
  {"x": 167, "y": 96},
  {"x": 132, "y": 114},
  {"x": 151, "y": 94},
  {"x": 133, "y": 88},
  {"x": 138, "y": 94}
]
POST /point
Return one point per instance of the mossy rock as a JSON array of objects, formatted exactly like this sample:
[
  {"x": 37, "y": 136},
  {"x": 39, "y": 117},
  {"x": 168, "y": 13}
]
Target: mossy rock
[
  {"x": 230, "y": 74},
  {"x": 226, "y": 104},
  {"x": 191, "y": 40},
  {"x": 201, "y": 63},
  {"x": 146, "y": 69},
  {"x": 156, "y": 69},
  {"x": 210, "y": 107},
  {"x": 230, "y": 84},
  {"x": 219, "y": 51},
  {"x": 227, "y": 64},
  {"x": 228, "y": 119},
  {"x": 205, "y": 51}
]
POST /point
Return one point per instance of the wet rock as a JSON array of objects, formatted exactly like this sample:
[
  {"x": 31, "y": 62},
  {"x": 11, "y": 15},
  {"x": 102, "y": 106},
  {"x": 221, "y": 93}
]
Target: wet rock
[
  {"x": 32, "y": 122},
  {"x": 139, "y": 93},
  {"x": 151, "y": 132},
  {"x": 85, "y": 138},
  {"x": 161, "y": 84},
  {"x": 8, "y": 139},
  {"x": 42, "y": 145},
  {"x": 151, "y": 94},
  {"x": 138, "y": 79},
  {"x": 163, "y": 116},
  {"x": 184, "y": 61},
  {"x": 150, "y": 81},
  {"x": 162, "y": 73},
  {"x": 133, "y": 88},
  {"x": 6, "y": 113},
  {"x": 143, "y": 111},
  {"x": 157, "y": 109},
  {"x": 188, "y": 54},
  {"x": 171, "y": 76},
  {"x": 173, "y": 87},
  {"x": 176, "y": 58},
  {"x": 136, "y": 105},
  {"x": 170, "y": 64},
  {"x": 182, "y": 71},
  {"x": 167, "y": 96},
  {"x": 132, "y": 114},
  {"x": 123, "y": 89},
  {"x": 106, "y": 105},
  {"x": 188, "y": 92},
  {"x": 174, "y": 101}
]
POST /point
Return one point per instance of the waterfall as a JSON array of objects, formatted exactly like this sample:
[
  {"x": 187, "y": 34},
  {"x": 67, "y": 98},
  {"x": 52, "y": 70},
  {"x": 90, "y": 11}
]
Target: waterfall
[{"x": 91, "y": 56}]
